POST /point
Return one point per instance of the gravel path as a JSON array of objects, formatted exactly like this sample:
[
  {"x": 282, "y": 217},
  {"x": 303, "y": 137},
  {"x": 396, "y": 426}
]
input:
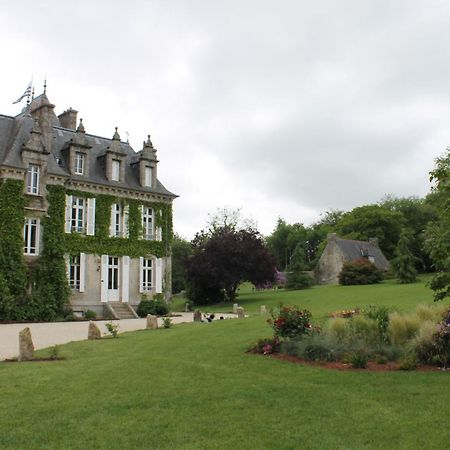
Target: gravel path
[{"x": 55, "y": 333}]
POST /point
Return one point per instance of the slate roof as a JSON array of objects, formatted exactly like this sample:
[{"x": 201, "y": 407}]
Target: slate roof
[
  {"x": 15, "y": 132},
  {"x": 353, "y": 250}
]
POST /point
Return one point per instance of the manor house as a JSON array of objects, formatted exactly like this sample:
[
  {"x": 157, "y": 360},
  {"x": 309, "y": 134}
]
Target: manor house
[{"x": 108, "y": 210}]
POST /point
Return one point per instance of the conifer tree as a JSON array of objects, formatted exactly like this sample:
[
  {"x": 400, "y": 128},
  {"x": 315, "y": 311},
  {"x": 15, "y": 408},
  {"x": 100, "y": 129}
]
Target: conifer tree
[{"x": 403, "y": 265}]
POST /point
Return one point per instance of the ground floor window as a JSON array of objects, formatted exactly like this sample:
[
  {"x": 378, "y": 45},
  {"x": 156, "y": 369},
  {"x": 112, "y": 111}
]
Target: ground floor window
[
  {"x": 147, "y": 268},
  {"x": 113, "y": 272},
  {"x": 74, "y": 272}
]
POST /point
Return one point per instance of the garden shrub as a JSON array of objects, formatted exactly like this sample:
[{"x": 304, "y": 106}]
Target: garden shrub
[
  {"x": 408, "y": 362},
  {"x": 402, "y": 327},
  {"x": 267, "y": 346},
  {"x": 157, "y": 307},
  {"x": 290, "y": 322},
  {"x": 380, "y": 314},
  {"x": 299, "y": 280},
  {"x": 363, "y": 329},
  {"x": 337, "y": 329},
  {"x": 89, "y": 314},
  {"x": 358, "y": 360},
  {"x": 361, "y": 271}
]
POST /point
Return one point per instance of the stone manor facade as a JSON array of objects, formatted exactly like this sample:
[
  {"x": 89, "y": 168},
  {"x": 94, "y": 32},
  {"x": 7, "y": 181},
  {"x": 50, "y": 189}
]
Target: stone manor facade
[{"x": 117, "y": 214}]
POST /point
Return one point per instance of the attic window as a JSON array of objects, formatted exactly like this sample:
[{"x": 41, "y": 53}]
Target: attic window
[
  {"x": 148, "y": 176},
  {"x": 33, "y": 179},
  {"x": 115, "y": 172},
  {"x": 79, "y": 163}
]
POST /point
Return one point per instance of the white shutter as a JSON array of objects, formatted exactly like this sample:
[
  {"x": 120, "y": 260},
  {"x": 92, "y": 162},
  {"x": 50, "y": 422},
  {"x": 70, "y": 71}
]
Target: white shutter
[
  {"x": 38, "y": 235},
  {"x": 126, "y": 214},
  {"x": 112, "y": 221},
  {"x": 90, "y": 217},
  {"x": 125, "y": 278},
  {"x": 82, "y": 272},
  {"x": 104, "y": 279},
  {"x": 68, "y": 225},
  {"x": 158, "y": 276},
  {"x": 158, "y": 234},
  {"x": 141, "y": 268}
]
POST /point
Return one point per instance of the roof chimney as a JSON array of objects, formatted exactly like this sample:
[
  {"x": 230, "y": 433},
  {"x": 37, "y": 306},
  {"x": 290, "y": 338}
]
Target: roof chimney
[{"x": 68, "y": 119}]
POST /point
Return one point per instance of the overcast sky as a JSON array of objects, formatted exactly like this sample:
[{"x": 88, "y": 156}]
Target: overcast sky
[{"x": 284, "y": 109}]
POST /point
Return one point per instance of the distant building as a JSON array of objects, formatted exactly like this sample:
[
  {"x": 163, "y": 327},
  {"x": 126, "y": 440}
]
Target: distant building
[
  {"x": 339, "y": 251},
  {"x": 117, "y": 214}
]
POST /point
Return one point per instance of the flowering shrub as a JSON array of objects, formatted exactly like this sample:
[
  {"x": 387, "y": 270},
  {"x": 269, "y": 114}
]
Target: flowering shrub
[
  {"x": 266, "y": 346},
  {"x": 290, "y": 322},
  {"x": 345, "y": 313}
]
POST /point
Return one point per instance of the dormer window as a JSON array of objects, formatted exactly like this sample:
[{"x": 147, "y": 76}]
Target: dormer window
[
  {"x": 33, "y": 173},
  {"x": 115, "y": 172},
  {"x": 79, "y": 163},
  {"x": 148, "y": 181}
]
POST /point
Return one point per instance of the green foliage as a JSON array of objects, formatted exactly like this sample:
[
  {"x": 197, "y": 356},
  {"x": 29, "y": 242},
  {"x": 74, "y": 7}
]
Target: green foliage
[
  {"x": 167, "y": 322},
  {"x": 361, "y": 271},
  {"x": 403, "y": 265},
  {"x": 181, "y": 250},
  {"x": 265, "y": 346},
  {"x": 438, "y": 233},
  {"x": 13, "y": 274},
  {"x": 50, "y": 294},
  {"x": 373, "y": 221},
  {"x": 113, "y": 329},
  {"x": 89, "y": 314},
  {"x": 358, "y": 360},
  {"x": 402, "y": 327},
  {"x": 290, "y": 322},
  {"x": 298, "y": 280},
  {"x": 157, "y": 306},
  {"x": 408, "y": 362},
  {"x": 380, "y": 314}
]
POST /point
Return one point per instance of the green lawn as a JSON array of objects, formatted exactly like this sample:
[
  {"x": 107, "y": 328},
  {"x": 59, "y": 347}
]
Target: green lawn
[{"x": 194, "y": 387}]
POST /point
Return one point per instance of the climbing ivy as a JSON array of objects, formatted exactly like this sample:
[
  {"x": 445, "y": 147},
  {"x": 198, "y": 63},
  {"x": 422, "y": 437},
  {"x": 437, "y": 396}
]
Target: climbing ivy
[{"x": 13, "y": 272}]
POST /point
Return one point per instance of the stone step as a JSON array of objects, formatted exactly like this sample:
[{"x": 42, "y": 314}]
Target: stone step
[{"x": 121, "y": 310}]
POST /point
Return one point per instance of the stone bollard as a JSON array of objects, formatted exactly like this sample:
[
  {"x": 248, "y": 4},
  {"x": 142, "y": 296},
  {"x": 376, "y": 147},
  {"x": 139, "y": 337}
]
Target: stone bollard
[
  {"x": 187, "y": 307},
  {"x": 197, "y": 315},
  {"x": 240, "y": 312},
  {"x": 26, "y": 347},
  {"x": 152, "y": 322},
  {"x": 235, "y": 307},
  {"x": 94, "y": 331},
  {"x": 263, "y": 309}
]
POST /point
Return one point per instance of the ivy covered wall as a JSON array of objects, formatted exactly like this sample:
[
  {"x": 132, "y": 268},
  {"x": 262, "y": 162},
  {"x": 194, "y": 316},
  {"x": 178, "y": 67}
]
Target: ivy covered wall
[{"x": 41, "y": 292}]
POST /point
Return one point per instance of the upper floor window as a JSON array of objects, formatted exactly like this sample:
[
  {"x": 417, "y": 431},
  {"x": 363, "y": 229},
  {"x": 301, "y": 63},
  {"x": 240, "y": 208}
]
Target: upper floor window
[
  {"x": 31, "y": 236},
  {"x": 79, "y": 163},
  {"x": 115, "y": 170},
  {"x": 148, "y": 176},
  {"x": 33, "y": 179},
  {"x": 147, "y": 223},
  {"x": 116, "y": 220},
  {"x": 78, "y": 217}
]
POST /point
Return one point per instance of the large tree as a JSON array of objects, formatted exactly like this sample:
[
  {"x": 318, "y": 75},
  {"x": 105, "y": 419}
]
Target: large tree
[
  {"x": 222, "y": 258},
  {"x": 438, "y": 232},
  {"x": 181, "y": 250}
]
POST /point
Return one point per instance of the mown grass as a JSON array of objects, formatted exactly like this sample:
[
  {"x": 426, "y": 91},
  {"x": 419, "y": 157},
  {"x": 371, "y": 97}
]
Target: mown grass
[{"x": 194, "y": 387}]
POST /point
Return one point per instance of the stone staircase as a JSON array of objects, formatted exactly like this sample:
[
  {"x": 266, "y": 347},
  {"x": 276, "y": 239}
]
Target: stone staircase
[{"x": 122, "y": 310}]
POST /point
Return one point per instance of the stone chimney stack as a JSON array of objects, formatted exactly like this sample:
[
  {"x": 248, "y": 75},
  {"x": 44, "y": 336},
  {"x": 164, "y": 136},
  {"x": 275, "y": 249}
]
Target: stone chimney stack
[{"x": 68, "y": 119}]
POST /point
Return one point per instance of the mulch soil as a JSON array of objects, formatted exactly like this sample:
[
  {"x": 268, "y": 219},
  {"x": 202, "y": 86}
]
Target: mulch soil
[{"x": 372, "y": 366}]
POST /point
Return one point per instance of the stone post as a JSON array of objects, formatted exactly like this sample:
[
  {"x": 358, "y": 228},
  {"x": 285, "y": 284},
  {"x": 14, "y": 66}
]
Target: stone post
[
  {"x": 26, "y": 347},
  {"x": 94, "y": 331},
  {"x": 263, "y": 309},
  {"x": 197, "y": 315},
  {"x": 240, "y": 312},
  {"x": 235, "y": 307},
  {"x": 152, "y": 322}
]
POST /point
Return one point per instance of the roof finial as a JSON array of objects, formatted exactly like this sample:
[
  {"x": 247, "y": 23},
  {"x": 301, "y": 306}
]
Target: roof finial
[
  {"x": 80, "y": 128},
  {"x": 116, "y": 136},
  {"x": 149, "y": 142},
  {"x": 45, "y": 85},
  {"x": 128, "y": 137}
]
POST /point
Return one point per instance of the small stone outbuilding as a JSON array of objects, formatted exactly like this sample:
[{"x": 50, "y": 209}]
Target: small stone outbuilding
[{"x": 339, "y": 251}]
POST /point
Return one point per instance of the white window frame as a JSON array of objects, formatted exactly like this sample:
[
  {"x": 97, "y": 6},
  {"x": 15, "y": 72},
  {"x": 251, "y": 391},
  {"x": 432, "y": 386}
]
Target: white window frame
[
  {"x": 74, "y": 272},
  {"x": 30, "y": 247},
  {"x": 78, "y": 215},
  {"x": 146, "y": 270},
  {"x": 116, "y": 220},
  {"x": 115, "y": 170},
  {"x": 148, "y": 223},
  {"x": 33, "y": 179},
  {"x": 79, "y": 163},
  {"x": 148, "y": 176}
]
